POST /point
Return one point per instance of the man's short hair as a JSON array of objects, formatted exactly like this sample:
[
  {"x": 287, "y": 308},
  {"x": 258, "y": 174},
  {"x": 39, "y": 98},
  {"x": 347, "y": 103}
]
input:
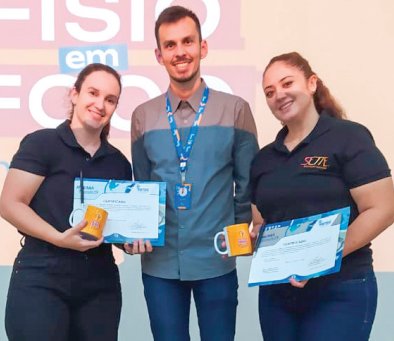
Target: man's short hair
[{"x": 172, "y": 15}]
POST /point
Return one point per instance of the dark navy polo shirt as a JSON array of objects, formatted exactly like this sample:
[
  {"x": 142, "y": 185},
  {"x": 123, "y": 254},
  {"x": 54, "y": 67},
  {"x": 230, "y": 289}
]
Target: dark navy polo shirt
[
  {"x": 316, "y": 176},
  {"x": 56, "y": 155}
]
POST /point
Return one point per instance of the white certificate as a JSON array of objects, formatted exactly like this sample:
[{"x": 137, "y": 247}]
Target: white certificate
[
  {"x": 133, "y": 208},
  {"x": 300, "y": 249}
]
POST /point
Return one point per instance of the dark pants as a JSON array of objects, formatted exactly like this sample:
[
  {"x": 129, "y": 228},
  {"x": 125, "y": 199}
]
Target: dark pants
[
  {"x": 327, "y": 308},
  {"x": 64, "y": 300},
  {"x": 168, "y": 304}
]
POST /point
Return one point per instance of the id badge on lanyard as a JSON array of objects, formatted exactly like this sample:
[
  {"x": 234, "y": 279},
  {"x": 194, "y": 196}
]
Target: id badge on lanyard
[{"x": 183, "y": 198}]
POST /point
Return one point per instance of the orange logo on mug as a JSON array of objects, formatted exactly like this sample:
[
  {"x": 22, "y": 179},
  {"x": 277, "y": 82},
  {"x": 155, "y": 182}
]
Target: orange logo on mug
[
  {"x": 96, "y": 218},
  {"x": 237, "y": 240}
]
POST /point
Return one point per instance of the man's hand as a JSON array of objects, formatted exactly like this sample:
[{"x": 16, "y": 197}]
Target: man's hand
[{"x": 138, "y": 247}]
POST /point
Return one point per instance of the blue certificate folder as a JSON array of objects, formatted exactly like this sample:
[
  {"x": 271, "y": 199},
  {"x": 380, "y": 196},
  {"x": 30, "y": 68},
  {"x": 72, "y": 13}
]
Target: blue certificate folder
[
  {"x": 281, "y": 243},
  {"x": 93, "y": 188}
]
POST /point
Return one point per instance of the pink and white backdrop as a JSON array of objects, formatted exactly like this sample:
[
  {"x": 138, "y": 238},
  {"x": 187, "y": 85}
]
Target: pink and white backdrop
[{"x": 44, "y": 43}]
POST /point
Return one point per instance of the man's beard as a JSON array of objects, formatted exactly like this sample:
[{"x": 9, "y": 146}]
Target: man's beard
[{"x": 186, "y": 79}]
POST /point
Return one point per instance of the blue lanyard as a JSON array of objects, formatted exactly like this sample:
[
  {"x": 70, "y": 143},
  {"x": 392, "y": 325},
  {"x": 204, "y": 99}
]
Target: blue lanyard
[{"x": 184, "y": 152}]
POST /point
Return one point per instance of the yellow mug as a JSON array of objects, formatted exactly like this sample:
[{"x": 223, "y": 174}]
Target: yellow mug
[
  {"x": 237, "y": 240},
  {"x": 96, "y": 218}
]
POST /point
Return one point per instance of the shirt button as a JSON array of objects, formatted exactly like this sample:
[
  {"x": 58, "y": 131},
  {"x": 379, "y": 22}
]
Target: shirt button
[
  {"x": 181, "y": 252},
  {"x": 185, "y": 121},
  {"x": 87, "y": 159},
  {"x": 182, "y": 227}
]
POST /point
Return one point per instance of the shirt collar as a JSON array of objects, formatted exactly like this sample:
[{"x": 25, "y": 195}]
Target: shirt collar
[
  {"x": 66, "y": 134},
  {"x": 322, "y": 126},
  {"x": 194, "y": 100}
]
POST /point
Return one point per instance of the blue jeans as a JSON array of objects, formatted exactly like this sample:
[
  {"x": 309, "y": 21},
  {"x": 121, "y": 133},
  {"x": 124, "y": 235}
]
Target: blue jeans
[
  {"x": 168, "y": 302},
  {"x": 327, "y": 308}
]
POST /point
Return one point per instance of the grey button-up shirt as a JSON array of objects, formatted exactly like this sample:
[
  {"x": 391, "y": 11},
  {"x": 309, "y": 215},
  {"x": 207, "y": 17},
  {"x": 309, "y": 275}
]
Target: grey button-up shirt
[{"x": 218, "y": 170}]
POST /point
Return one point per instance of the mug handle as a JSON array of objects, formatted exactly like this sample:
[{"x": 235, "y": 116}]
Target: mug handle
[
  {"x": 215, "y": 243},
  {"x": 72, "y": 215}
]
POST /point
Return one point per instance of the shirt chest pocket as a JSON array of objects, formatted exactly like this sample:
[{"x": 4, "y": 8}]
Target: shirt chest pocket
[
  {"x": 214, "y": 145},
  {"x": 160, "y": 149}
]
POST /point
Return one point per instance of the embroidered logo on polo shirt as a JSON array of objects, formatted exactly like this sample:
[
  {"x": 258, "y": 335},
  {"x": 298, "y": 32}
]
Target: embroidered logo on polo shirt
[{"x": 320, "y": 162}]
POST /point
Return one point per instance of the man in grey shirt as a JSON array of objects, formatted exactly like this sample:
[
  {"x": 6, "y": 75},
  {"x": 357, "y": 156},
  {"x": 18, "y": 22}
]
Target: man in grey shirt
[{"x": 201, "y": 143}]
